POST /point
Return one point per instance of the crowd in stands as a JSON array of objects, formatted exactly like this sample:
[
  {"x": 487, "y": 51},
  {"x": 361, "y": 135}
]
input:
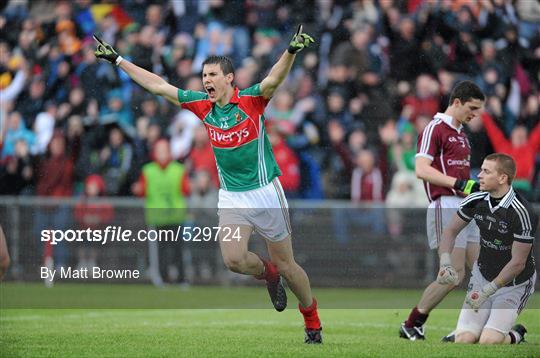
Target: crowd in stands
[{"x": 343, "y": 125}]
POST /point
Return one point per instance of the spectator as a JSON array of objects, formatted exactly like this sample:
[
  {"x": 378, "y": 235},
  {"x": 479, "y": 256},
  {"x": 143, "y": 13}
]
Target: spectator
[
  {"x": 530, "y": 113},
  {"x": 94, "y": 78},
  {"x": 287, "y": 161},
  {"x": 16, "y": 130},
  {"x": 55, "y": 176},
  {"x": 425, "y": 101},
  {"x": 280, "y": 111},
  {"x": 55, "y": 179},
  {"x": 115, "y": 161},
  {"x": 337, "y": 107},
  {"x": 521, "y": 147},
  {"x": 164, "y": 184},
  {"x": 206, "y": 258},
  {"x": 92, "y": 215},
  {"x": 339, "y": 164},
  {"x": 181, "y": 131},
  {"x": 367, "y": 180},
  {"x": 202, "y": 156},
  {"x": 405, "y": 37},
  {"x": 44, "y": 128},
  {"x": 404, "y": 151},
  {"x": 32, "y": 101},
  {"x": 116, "y": 110},
  {"x": 211, "y": 40},
  {"x": 17, "y": 175},
  {"x": 406, "y": 192},
  {"x": 479, "y": 140}
]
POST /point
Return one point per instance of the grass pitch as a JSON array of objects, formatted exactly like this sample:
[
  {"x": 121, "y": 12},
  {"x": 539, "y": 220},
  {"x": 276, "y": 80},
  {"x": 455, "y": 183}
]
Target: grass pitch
[{"x": 358, "y": 330}]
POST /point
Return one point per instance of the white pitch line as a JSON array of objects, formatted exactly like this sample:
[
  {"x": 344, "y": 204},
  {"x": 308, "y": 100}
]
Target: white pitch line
[{"x": 219, "y": 323}]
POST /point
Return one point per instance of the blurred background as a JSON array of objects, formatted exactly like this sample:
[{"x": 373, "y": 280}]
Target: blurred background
[{"x": 343, "y": 126}]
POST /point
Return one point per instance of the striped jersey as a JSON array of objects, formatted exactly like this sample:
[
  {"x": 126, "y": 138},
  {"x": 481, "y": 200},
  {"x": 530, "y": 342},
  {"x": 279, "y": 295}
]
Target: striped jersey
[
  {"x": 501, "y": 222},
  {"x": 449, "y": 150},
  {"x": 244, "y": 156}
]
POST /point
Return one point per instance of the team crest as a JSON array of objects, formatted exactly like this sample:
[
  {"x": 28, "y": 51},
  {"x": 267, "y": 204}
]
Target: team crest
[
  {"x": 238, "y": 117},
  {"x": 503, "y": 227}
]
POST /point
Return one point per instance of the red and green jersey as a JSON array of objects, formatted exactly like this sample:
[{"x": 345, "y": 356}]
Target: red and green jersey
[{"x": 244, "y": 156}]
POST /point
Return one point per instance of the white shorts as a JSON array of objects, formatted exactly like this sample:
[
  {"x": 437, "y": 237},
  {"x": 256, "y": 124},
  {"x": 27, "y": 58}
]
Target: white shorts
[
  {"x": 439, "y": 214},
  {"x": 500, "y": 311},
  {"x": 265, "y": 209}
]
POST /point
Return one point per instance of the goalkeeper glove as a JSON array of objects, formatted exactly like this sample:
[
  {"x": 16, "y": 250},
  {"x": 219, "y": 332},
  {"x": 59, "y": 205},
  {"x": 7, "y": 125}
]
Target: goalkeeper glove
[
  {"x": 476, "y": 299},
  {"x": 299, "y": 41},
  {"x": 466, "y": 186},
  {"x": 106, "y": 52},
  {"x": 447, "y": 272}
]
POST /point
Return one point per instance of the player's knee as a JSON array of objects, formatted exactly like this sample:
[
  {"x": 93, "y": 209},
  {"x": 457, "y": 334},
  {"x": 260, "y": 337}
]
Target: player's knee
[
  {"x": 466, "y": 338},
  {"x": 235, "y": 263},
  {"x": 491, "y": 337},
  {"x": 284, "y": 267}
]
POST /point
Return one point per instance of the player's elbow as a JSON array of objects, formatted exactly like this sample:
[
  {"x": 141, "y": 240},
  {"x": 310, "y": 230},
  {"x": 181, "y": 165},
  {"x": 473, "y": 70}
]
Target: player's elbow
[
  {"x": 518, "y": 266},
  {"x": 158, "y": 89},
  {"x": 420, "y": 173}
]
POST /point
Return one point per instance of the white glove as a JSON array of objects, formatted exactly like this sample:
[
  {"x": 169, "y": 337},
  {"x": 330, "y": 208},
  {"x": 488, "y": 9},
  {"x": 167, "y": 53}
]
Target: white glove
[
  {"x": 448, "y": 276},
  {"x": 447, "y": 272},
  {"x": 476, "y": 299}
]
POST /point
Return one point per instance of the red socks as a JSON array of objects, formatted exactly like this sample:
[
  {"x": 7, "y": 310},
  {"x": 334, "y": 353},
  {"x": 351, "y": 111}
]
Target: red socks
[
  {"x": 311, "y": 317},
  {"x": 270, "y": 272},
  {"x": 416, "y": 319}
]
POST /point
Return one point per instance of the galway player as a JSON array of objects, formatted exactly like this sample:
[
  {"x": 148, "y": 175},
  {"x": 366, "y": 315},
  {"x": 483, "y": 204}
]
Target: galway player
[
  {"x": 250, "y": 196},
  {"x": 504, "y": 275},
  {"x": 443, "y": 163}
]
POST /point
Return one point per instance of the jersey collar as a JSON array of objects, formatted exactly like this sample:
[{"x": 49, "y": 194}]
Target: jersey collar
[
  {"x": 505, "y": 201},
  {"x": 448, "y": 120},
  {"x": 235, "y": 99}
]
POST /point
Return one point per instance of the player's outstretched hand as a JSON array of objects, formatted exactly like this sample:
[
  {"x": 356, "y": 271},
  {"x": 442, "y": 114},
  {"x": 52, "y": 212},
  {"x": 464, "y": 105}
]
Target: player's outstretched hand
[
  {"x": 475, "y": 299},
  {"x": 448, "y": 276},
  {"x": 105, "y": 51},
  {"x": 299, "y": 41},
  {"x": 467, "y": 186}
]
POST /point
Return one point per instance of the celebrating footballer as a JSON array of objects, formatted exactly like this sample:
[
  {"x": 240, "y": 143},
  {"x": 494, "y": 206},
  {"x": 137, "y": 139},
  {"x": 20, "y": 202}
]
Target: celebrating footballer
[{"x": 251, "y": 196}]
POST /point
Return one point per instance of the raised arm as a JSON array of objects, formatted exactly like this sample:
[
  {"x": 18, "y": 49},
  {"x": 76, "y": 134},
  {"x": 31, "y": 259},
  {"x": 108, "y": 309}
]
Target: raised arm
[
  {"x": 498, "y": 140},
  {"x": 281, "y": 69},
  {"x": 146, "y": 79}
]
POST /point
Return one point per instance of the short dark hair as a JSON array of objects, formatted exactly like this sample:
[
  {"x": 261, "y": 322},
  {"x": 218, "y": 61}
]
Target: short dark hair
[
  {"x": 224, "y": 63},
  {"x": 505, "y": 165},
  {"x": 466, "y": 91}
]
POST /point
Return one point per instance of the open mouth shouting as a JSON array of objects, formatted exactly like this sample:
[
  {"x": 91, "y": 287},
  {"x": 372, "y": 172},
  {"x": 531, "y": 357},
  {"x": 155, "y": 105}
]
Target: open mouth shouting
[{"x": 211, "y": 91}]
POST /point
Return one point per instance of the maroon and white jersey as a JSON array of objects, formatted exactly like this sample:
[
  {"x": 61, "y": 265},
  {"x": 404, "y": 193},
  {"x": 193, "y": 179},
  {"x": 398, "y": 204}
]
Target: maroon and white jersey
[{"x": 449, "y": 150}]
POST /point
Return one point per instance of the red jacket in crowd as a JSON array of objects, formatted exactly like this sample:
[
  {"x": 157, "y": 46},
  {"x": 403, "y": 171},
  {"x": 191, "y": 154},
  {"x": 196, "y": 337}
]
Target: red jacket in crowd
[
  {"x": 289, "y": 164},
  {"x": 524, "y": 155}
]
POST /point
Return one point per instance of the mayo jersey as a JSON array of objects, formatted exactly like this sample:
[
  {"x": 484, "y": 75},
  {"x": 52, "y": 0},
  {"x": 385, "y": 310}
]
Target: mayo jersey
[{"x": 244, "y": 156}]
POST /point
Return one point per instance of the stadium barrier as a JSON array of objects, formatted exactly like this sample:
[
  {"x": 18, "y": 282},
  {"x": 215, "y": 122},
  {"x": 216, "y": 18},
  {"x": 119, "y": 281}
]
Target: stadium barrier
[{"x": 339, "y": 244}]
